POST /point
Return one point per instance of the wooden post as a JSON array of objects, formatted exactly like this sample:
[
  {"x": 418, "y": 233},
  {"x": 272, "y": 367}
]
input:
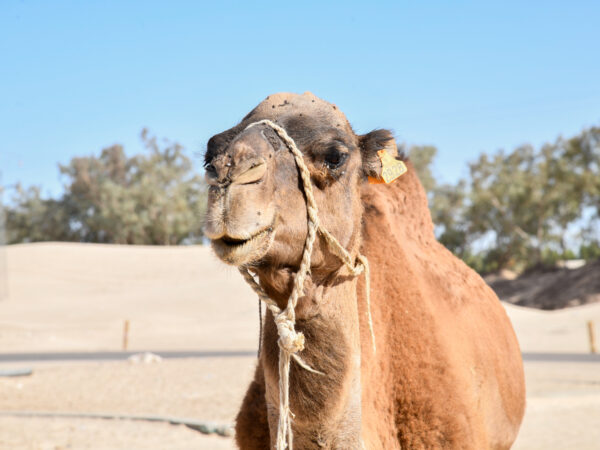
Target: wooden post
[
  {"x": 592, "y": 336},
  {"x": 125, "y": 334}
]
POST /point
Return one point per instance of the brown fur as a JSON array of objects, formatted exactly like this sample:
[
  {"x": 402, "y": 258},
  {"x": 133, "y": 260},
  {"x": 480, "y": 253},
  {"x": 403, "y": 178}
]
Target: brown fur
[
  {"x": 447, "y": 372},
  {"x": 456, "y": 373}
]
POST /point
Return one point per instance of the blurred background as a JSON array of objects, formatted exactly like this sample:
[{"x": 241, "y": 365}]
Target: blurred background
[{"x": 105, "y": 111}]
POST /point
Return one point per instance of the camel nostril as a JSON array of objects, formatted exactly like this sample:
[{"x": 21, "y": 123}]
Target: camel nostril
[{"x": 254, "y": 174}]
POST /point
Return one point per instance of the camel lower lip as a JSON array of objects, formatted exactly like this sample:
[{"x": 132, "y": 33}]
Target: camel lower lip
[
  {"x": 239, "y": 252},
  {"x": 234, "y": 242}
]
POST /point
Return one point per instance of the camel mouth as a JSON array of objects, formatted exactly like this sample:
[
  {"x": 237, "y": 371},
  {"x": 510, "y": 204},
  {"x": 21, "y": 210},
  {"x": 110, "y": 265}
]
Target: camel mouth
[
  {"x": 238, "y": 252},
  {"x": 232, "y": 242}
]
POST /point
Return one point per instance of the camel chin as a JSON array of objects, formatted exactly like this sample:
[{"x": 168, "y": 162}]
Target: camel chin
[{"x": 241, "y": 252}]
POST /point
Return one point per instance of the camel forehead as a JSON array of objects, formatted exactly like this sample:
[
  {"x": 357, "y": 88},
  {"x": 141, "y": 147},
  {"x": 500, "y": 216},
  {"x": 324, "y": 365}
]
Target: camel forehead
[{"x": 285, "y": 103}]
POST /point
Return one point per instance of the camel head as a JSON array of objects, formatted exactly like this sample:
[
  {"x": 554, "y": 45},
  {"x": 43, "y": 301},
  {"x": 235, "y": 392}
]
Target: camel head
[{"x": 256, "y": 213}]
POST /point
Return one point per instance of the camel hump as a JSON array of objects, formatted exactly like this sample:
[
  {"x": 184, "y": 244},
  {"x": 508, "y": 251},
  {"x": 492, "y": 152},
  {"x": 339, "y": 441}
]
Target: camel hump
[{"x": 400, "y": 206}]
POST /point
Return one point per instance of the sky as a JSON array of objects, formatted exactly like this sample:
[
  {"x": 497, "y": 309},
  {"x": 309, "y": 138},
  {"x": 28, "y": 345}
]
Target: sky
[{"x": 467, "y": 77}]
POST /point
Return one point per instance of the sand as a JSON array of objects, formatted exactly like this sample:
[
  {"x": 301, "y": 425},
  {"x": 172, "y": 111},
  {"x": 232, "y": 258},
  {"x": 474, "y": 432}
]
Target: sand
[
  {"x": 549, "y": 289},
  {"x": 75, "y": 297},
  {"x": 68, "y": 297}
]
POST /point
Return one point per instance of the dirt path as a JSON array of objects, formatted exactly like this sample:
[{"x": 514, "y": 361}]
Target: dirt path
[
  {"x": 208, "y": 389},
  {"x": 63, "y": 434},
  {"x": 563, "y": 407}
]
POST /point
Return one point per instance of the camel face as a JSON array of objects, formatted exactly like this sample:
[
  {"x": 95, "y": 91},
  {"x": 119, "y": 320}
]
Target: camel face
[{"x": 256, "y": 207}]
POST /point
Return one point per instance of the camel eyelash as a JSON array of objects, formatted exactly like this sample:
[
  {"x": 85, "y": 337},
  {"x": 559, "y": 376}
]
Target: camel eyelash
[{"x": 334, "y": 158}]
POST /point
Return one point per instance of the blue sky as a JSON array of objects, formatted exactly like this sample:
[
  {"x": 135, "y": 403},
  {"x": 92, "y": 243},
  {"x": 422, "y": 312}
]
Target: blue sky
[{"x": 466, "y": 77}]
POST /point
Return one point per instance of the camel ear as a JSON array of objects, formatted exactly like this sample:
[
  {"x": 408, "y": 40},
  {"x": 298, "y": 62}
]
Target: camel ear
[{"x": 370, "y": 144}]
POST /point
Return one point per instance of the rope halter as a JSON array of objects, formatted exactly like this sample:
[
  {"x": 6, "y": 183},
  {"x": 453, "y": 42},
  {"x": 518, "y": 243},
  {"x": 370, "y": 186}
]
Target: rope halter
[{"x": 290, "y": 341}]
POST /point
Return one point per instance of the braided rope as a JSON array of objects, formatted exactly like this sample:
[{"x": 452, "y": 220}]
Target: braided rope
[
  {"x": 291, "y": 342},
  {"x": 260, "y": 326}
]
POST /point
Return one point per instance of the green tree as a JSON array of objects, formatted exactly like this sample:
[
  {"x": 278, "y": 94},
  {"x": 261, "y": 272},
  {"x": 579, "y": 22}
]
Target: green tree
[
  {"x": 516, "y": 207},
  {"x": 448, "y": 208},
  {"x": 590, "y": 251},
  {"x": 582, "y": 156},
  {"x": 32, "y": 218},
  {"x": 421, "y": 158},
  {"x": 446, "y": 201},
  {"x": 530, "y": 198},
  {"x": 151, "y": 198}
]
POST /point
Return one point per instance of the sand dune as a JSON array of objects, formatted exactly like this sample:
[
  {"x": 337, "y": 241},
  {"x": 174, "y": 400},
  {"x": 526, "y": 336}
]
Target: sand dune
[
  {"x": 75, "y": 297},
  {"x": 65, "y": 297},
  {"x": 550, "y": 289}
]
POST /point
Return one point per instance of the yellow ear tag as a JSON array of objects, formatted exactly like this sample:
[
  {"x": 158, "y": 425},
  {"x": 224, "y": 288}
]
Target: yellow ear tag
[{"x": 391, "y": 168}]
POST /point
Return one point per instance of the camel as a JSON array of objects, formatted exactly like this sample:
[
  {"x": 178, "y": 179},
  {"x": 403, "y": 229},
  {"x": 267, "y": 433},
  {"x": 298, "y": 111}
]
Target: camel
[{"x": 447, "y": 371}]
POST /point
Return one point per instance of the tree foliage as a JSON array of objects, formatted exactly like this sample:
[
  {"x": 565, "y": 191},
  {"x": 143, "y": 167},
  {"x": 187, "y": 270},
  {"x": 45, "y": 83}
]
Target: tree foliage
[
  {"x": 421, "y": 158},
  {"x": 151, "y": 198},
  {"x": 33, "y": 219},
  {"x": 516, "y": 208}
]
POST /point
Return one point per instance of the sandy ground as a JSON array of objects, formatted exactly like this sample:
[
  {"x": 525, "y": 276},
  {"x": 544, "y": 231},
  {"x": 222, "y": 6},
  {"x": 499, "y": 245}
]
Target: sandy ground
[
  {"x": 549, "y": 289},
  {"x": 202, "y": 389},
  {"x": 71, "y": 297}
]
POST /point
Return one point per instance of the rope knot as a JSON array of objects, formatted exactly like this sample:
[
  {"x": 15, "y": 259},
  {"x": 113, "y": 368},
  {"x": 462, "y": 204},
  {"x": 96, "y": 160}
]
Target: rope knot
[
  {"x": 358, "y": 268},
  {"x": 289, "y": 339}
]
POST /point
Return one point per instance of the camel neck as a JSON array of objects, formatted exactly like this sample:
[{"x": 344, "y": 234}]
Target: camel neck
[
  {"x": 319, "y": 287},
  {"x": 328, "y": 317}
]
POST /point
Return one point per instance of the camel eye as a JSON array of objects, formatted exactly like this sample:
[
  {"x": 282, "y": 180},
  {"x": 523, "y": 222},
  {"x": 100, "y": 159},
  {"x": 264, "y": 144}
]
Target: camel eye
[
  {"x": 335, "y": 158},
  {"x": 208, "y": 167}
]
